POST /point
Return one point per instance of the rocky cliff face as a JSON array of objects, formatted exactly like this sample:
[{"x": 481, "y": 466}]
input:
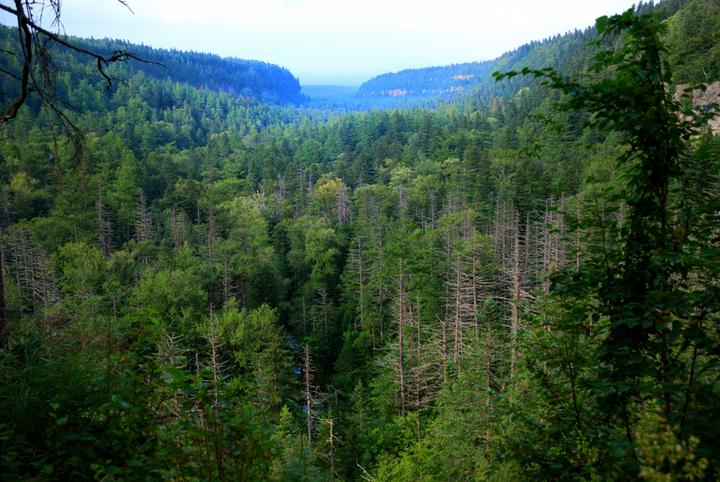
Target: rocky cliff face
[{"x": 710, "y": 96}]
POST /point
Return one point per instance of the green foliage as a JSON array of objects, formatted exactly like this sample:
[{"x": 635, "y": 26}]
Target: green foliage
[
  {"x": 630, "y": 331},
  {"x": 25, "y": 194},
  {"x": 82, "y": 270},
  {"x": 174, "y": 296},
  {"x": 259, "y": 345},
  {"x": 249, "y": 78},
  {"x": 693, "y": 35},
  {"x": 122, "y": 416},
  {"x": 463, "y": 322}
]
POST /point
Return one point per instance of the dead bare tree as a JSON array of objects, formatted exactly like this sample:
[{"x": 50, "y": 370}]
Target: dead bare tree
[
  {"x": 401, "y": 308},
  {"x": 553, "y": 247},
  {"x": 104, "y": 226},
  {"x": 331, "y": 441},
  {"x": 357, "y": 275},
  {"x": 310, "y": 390},
  {"x": 343, "y": 204},
  {"x": 178, "y": 226},
  {"x": 515, "y": 301},
  {"x": 34, "y": 275},
  {"x": 322, "y": 301},
  {"x": 36, "y": 74},
  {"x": 143, "y": 223},
  {"x": 3, "y": 313},
  {"x": 377, "y": 267},
  {"x": 280, "y": 196}
]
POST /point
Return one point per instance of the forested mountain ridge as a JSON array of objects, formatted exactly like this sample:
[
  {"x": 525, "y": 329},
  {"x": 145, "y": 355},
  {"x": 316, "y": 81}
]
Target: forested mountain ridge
[
  {"x": 249, "y": 79},
  {"x": 565, "y": 52},
  {"x": 520, "y": 285},
  {"x": 449, "y": 83},
  {"x": 430, "y": 81}
]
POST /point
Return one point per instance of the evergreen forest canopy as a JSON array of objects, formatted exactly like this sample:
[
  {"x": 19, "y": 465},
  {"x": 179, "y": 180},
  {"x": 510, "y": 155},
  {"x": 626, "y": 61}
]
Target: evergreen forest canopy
[
  {"x": 244, "y": 79},
  {"x": 518, "y": 282}
]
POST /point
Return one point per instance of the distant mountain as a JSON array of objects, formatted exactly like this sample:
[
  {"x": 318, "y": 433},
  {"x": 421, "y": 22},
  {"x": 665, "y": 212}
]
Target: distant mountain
[
  {"x": 251, "y": 79},
  {"x": 566, "y": 53},
  {"x": 429, "y": 81},
  {"x": 411, "y": 87}
]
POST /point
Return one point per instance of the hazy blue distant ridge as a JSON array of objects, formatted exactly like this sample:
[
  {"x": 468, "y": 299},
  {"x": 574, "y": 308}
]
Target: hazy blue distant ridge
[{"x": 428, "y": 81}]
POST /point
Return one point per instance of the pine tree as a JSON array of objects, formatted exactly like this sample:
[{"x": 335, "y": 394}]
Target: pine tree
[{"x": 622, "y": 356}]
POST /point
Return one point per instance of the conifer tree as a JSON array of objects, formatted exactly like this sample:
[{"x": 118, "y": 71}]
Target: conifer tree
[{"x": 624, "y": 354}]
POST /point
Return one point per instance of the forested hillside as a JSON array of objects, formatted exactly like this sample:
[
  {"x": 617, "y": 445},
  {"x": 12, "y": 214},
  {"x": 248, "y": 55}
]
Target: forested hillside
[
  {"x": 517, "y": 284},
  {"x": 428, "y": 82},
  {"x": 564, "y": 52},
  {"x": 240, "y": 78}
]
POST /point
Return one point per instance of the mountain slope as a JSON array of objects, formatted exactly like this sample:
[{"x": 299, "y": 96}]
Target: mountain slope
[
  {"x": 264, "y": 82},
  {"x": 566, "y": 53}
]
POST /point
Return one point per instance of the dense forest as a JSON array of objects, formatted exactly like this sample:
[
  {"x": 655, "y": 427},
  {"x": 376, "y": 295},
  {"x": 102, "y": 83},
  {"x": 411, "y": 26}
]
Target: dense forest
[{"x": 518, "y": 281}]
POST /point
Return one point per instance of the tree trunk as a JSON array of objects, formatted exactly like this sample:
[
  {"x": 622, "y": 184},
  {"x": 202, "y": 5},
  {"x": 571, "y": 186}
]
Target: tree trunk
[
  {"x": 4, "y": 328},
  {"x": 401, "y": 329},
  {"x": 308, "y": 394},
  {"x": 515, "y": 302}
]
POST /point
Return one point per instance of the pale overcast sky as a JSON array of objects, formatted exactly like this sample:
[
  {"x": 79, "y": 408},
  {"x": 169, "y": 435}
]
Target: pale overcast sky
[{"x": 341, "y": 42}]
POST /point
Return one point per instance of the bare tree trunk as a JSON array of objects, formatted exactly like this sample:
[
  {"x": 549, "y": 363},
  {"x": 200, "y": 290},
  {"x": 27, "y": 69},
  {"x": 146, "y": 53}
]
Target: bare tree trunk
[
  {"x": 4, "y": 222},
  {"x": 382, "y": 312},
  {"x": 178, "y": 234},
  {"x": 343, "y": 204},
  {"x": 458, "y": 319},
  {"x": 308, "y": 393},
  {"x": 324, "y": 295},
  {"x": 577, "y": 240},
  {"x": 4, "y": 328},
  {"x": 559, "y": 252},
  {"x": 475, "y": 286},
  {"x": 332, "y": 452},
  {"x": 419, "y": 363},
  {"x": 28, "y": 269},
  {"x": 401, "y": 330},
  {"x": 546, "y": 250},
  {"x": 381, "y": 260},
  {"x": 226, "y": 276},
  {"x": 515, "y": 304},
  {"x": 446, "y": 320},
  {"x": 489, "y": 355},
  {"x": 16, "y": 256},
  {"x": 356, "y": 265},
  {"x": 362, "y": 282},
  {"x": 526, "y": 267}
]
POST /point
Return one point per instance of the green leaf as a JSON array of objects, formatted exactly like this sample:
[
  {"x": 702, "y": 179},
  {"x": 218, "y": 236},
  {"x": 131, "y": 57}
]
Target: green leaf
[{"x": 601, "y": 24}]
